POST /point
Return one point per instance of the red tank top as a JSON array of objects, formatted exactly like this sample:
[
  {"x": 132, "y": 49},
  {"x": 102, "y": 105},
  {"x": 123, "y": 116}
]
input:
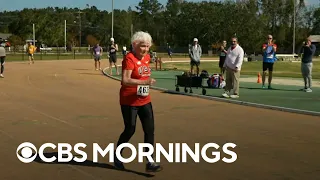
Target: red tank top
[{"x": 135, "y": 95}]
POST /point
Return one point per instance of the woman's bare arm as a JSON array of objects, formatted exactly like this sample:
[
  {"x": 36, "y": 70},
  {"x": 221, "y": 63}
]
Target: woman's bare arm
[{"x": 127, "y": 80}]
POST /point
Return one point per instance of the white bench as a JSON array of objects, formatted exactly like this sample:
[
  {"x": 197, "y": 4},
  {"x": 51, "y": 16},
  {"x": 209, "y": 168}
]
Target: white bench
[
  {"x": 280, "y": 57},
  {"x": 288, "y": 57}
]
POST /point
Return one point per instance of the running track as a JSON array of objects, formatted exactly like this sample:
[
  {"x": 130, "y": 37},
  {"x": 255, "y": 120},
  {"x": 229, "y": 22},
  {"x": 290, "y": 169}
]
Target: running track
[{"x": 67, "y": 101}]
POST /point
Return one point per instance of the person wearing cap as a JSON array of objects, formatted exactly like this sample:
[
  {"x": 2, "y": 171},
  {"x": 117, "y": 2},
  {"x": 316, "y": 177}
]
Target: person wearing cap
[
  {"x": 31, "y": 49},
  {"x": 195, "y": 53},
  {"x": 113, "y": 48},
  {"x": 306, "y": 64},
  {"x": 2, "y": 58}
]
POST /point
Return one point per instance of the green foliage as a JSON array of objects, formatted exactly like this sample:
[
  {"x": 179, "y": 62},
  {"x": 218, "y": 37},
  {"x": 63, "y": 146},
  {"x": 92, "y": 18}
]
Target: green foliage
[
  {"x": 15, "y": 41},
  {"x": 91, "y": 40},
  {"x": 176, "y": 23},
  {"x": 282, "y": 68}
]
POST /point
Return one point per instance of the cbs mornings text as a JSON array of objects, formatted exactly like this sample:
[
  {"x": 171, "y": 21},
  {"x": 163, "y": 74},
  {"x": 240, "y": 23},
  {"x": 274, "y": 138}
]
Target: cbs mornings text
[{"x": 175, "y": 153}]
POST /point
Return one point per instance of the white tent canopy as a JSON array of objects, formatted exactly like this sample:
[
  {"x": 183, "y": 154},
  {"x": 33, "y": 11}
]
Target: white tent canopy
[{"x": 315, "y": 38}]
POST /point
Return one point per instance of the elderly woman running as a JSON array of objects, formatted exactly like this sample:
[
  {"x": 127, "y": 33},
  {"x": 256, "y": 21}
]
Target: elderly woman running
[{"x": 134, "y": 95}]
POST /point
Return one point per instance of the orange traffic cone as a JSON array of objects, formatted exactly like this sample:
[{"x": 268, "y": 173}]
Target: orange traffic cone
[{"x": 259, "y": 78}]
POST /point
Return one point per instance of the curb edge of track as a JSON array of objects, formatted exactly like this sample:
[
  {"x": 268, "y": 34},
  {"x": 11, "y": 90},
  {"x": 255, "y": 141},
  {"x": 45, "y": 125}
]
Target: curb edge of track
[{"x": 278, "y": 108}]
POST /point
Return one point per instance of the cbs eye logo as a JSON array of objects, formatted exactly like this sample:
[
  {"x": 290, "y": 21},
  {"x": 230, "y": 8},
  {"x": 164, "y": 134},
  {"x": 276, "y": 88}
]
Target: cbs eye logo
[{"x": 27, "y": 156}]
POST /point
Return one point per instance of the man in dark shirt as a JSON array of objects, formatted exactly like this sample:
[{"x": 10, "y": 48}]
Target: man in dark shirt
[
  {"x": 113, "y": 48},
  {"x": 223, "y": 54},
  {"x": 169, "y": 50},
  {"x": 308, "y": 51}
]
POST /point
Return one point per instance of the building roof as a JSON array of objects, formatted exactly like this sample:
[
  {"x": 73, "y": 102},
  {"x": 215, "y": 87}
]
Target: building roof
[
  {"x": 5, "y": 35},
  {"x": 315, "y": 38}
]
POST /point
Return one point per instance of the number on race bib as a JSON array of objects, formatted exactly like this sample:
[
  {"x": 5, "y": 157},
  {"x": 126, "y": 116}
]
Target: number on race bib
[
  {"x": 270, "y": 56},
  {"x": 143, "y": 90}
]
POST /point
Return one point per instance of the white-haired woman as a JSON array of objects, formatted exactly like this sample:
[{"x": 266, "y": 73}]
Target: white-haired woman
[{"x": 134, "y": 94}]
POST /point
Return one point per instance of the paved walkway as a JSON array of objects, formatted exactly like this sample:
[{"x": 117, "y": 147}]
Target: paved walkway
[{"x": 67, "y": 101}]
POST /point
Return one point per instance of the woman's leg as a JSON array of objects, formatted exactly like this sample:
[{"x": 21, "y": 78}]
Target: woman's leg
[
  {"x": 2, "y": 62},
  {"x": 147, "y": 120},
  {"x": 129, "y": 114},
  {"x": 110, "y": 66}
]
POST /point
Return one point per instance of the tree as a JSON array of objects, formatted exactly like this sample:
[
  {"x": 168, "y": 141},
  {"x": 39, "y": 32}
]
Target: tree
[
  {"x": 176, "y": 23},
  {"x": 15, "y": 41},
  {"x": 91, "y": 40}
]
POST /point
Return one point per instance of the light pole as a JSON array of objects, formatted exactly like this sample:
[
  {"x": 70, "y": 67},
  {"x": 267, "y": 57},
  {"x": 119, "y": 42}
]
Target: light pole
[
  {"x": 65, "y": 35},
  {"x": 112, "y": 20},
  {"x": 80, "y": 29},
  {"x": 34, "y": 34},
  {"x": 294, "y": 27}
]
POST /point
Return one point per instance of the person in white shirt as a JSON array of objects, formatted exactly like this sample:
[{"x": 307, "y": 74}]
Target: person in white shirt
[
  {"x": 233, "y": 65},
  {"x": 2, "y": 58},
  {"x": 195, "y": 53},
  {"x": 124, "y": 50}
]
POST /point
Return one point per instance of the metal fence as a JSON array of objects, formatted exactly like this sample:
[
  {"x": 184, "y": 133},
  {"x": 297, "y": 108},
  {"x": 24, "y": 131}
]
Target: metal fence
[
  {"x": 57, "y": 53},
  {"x": 48, "y": 55},
  {"x": 60, "y": 53}
]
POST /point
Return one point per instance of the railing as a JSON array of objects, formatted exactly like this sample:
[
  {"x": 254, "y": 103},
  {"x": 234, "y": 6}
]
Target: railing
[
  {"x": 47, "y": 55},
  {"x": 59, "y": 53},
  {"x": 77, "y": 53}
]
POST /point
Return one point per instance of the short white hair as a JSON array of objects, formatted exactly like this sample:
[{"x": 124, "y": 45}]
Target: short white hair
[{"x": 141, "y": 36}]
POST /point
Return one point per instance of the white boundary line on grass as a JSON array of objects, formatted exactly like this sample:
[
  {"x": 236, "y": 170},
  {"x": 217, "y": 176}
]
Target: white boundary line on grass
[
  {"x": 188, "y": 61},
  {"x": 279, "y": 108}
]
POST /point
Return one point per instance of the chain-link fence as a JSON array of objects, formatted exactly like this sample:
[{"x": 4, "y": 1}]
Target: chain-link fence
[{"x": 60, "y": 53}]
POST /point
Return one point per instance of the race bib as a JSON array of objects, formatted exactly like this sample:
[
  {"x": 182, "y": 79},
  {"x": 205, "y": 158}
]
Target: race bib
[
  {"x": 98, "y": 53},
  {"x": 112, "y": 50},
  {"x": 270, "y": 56},
  {"x": 142, "y": 90},
  {"x": 269, "y": 50}
]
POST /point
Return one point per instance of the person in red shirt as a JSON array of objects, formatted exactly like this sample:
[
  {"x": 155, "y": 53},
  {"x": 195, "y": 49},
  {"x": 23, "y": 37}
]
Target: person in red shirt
[{"x": 134, "y": 94}]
